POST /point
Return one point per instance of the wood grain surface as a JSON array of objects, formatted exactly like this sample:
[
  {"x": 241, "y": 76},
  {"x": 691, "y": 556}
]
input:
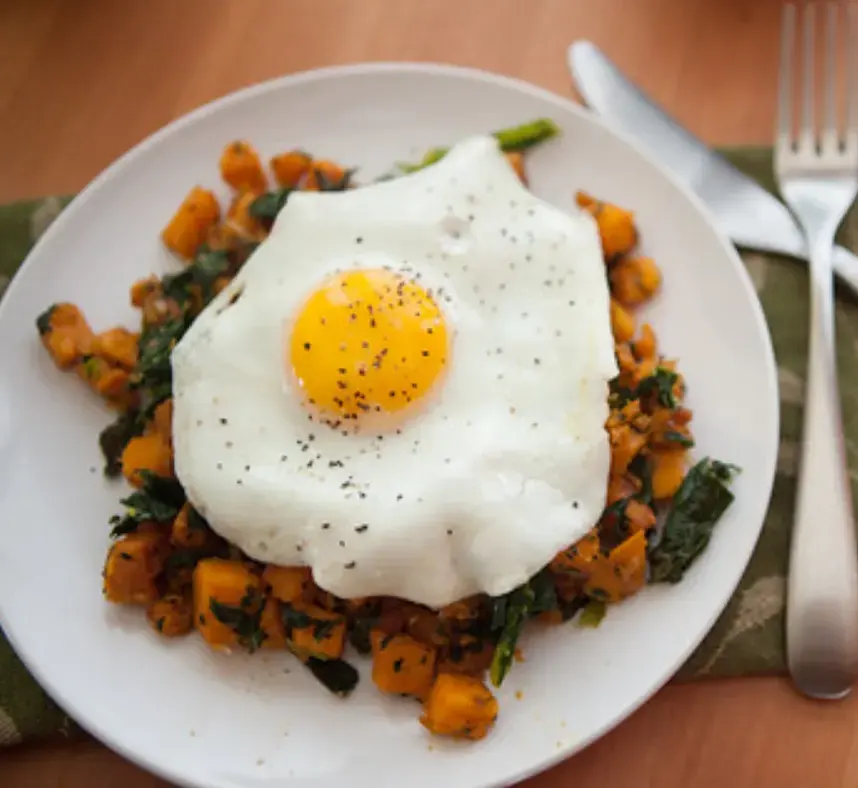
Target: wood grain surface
[{"x": 83, "y": 80}]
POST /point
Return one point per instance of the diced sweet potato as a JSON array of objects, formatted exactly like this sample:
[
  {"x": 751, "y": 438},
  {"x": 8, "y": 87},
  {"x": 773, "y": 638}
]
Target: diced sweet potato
[
  {"x": 645, "y": 345},
  {"x": 117, "y": 346},
  {"x": 287, "y": 583},
  {"x": 103, "y": 378},
  {"x": 628, "y": 567},
  {"x": 190, "y": 530},
  {"x": 668, "y": 471},
  {"x": 133, "y": 565},
  {"x": 188, "y": 228},
  {"x": 313, "y": 631},
  {"x": 626, "y": 442},
  {"x": 516, "y": 161},
  {"x": 323, "y": 172},
  {"x": 240, "y": 225},
  {"x": 639, "y": 516},
  {"x": 241, "y": 167},
  {"x": 146, "y": 453},
  {"x": 65, "y": 334},
  {"x": 228, "y": 587},
  {"x": 467, "y": 655},
  {"x": 290, "y": 168},
  {"x": 402, "y": 665},
  {"x": 272, "y": 625},
  {"x": 459, "y": 706},
  {"x": 616, "y": 226},
  {"x": 143, "y": 288},
  {"x": 158, "y": 309},
  {"x": 172, "y": 615},
  {"x": 622, "y": 322},
  {"x": 162, "y": 420},
  {"x": 634, "y": 280}
]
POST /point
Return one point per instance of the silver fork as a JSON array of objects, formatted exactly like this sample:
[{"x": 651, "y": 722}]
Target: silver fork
[{"x": 818, "y": 176}]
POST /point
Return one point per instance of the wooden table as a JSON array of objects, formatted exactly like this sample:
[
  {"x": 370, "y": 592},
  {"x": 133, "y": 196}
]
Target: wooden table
[{"x": 83, "y": 80}]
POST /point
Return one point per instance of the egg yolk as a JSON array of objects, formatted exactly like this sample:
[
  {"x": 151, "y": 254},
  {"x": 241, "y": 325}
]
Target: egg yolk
[{"x": 367, "y": 345}]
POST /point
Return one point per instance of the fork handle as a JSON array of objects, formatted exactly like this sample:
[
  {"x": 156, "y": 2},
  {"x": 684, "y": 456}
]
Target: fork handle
[{"x": 822, "y": 603}]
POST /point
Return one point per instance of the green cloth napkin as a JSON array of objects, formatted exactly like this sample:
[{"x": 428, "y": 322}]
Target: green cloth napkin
[{"x": 748, "y": 639}]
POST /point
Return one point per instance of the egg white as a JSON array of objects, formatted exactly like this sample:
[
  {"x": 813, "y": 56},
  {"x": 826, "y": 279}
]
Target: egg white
[{"x": 504, "y": 465}]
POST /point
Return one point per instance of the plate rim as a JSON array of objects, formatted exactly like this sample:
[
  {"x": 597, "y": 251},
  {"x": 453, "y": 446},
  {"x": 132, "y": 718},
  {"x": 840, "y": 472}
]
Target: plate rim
[{"x": 477, "y": 75}]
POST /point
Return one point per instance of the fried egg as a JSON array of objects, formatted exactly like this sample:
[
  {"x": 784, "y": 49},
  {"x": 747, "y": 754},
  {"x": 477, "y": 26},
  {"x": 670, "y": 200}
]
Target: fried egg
[{"x": 405, "y": 387}]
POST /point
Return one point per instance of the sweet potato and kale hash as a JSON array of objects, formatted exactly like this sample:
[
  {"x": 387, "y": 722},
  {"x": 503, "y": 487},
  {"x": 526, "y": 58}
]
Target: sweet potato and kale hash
[{"x": 658, "y": 517}]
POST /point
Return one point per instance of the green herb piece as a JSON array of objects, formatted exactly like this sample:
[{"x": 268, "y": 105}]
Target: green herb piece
[
  {"x": 702, "y": 498},
  {"x": 196, "y": 522},
  {"x": 499, "y": 604},
  {"x": 153, "y": 376},
  {"x": 294, "y": 619},
  {"x": 397, "y": 665},
  {"x": 527, "y": 135},
  {"x": 517, "y": 138},
  {"x": 430, "y": 157},
  {"x": 659, "y": 384},
  {"x": 268, "y": 205},
  {"x": 297, "y": 619},
  {"x": 43, "y": 321},
  {"x": 330, "y": 185},
  {"x": 619, "y": 395},
  {"x": 91, "y": 367},
  {"x": 335, "y": 674},
  {"x": 160, "y": 624},
  {"x": 518, "y": 607},
  {"x": 208, "y": 265},
  {"x": 509, "y": 614},
  {"x": 593, "y": 613},
  {"x": 155, "y": 345},
  {"x": 114, "y": 438},
  {"x": 544, "y": 593},
  {"x": 186, "y": 558},
  {"x": 359, "y": 634},
  {"x": 164, "y": 488},
  {"x": 672, "y": 436},
  {"x": 159, "y": 499},
  {"x": 323, "y": 629},
  {"x": 246, "y": 623}
]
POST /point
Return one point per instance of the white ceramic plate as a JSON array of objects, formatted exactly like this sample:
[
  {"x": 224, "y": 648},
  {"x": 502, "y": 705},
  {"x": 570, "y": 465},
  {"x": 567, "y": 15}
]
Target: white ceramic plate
[{"x": 216, "y": 721}]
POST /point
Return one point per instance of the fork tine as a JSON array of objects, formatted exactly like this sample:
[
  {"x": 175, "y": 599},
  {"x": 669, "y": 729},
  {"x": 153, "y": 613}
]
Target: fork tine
[
  {"x": 806, "y": 137},
  {"x": 785, "y": 91},
  {"x": 830, "y": 135},
  {"x": 851, "y": 134}
]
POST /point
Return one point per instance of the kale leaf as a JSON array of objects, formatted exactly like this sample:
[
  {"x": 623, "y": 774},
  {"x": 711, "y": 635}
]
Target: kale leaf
[
  {"x": 159, "y": 499},
  {"x": 114, "y": 438},
  {"x": 337, "y": 675},
  {"x": 659, "y": 384},
  {"x": 509, "y": 615},
  {"x": 696, "y": 508},
  {"x": 268, "y": 205}
]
